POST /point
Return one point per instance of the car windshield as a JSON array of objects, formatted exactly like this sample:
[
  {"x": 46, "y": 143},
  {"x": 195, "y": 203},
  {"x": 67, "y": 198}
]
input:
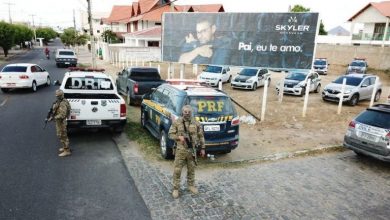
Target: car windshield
[
  {"x": 351, "y": 81},
  {"x": 375, "y": 118},
  {"x": 356, "y": 63},
  {"x": 66, "y": 53},
  {"x": 213, "y": 69},
  {"x": 89, "y": 83},
  {"x": 16, "y": 69},
  {"x": 144, "y": 74},
  {"x": 296, "y": 76},
  {"x": 320, "y": 62},
  {"x": 212, "y": 106},
  {"x": 248, "y": 72}
]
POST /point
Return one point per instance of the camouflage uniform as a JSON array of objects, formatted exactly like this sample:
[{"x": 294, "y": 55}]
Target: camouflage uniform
[
  {"x": 183, "y": 154},
  {"x": 61, "y": 108}
]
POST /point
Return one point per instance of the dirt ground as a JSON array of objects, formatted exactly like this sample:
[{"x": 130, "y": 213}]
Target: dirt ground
[{"x": 284, "y": 129}]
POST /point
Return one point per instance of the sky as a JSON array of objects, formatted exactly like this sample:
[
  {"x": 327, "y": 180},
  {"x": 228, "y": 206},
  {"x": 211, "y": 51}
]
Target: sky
[{"x": 60, "y": 13}]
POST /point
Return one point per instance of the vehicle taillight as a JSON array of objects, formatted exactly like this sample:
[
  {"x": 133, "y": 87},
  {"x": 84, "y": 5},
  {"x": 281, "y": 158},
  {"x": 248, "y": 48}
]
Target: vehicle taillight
[
  {"x": 352, "y": 124},
  {"x": 123, "y": 110},
  {"x": 23, "y": 77},
  {"x": 388, "y": 136},
  {"x": 135, "y": 88},
  {"x": 235, "y": 121}
]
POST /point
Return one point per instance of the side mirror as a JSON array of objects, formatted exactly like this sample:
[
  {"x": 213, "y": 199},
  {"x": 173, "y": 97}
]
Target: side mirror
[
  {"x": 146, "y": 96},
  {"x": 57, "y": 83}
]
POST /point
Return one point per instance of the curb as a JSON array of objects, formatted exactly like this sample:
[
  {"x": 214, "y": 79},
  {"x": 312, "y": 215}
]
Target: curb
[{"x": 285, "y": 155}]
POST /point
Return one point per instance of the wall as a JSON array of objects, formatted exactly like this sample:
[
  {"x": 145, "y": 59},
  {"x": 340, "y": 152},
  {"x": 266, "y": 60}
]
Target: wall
[{"x": 377, "y": 57}]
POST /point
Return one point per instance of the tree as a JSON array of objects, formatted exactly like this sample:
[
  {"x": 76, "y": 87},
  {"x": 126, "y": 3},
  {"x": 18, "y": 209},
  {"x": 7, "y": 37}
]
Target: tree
[
  {"x": 7, "y": 35},
  {"x": 22, "y": 34},
  {"x": 46, "y": 34},
  {"x": 110, "y": 37},
  {"x": 300, "y": 8},
  {"x": 81, "y": 39},
  {"x": 69, "y": 37}
]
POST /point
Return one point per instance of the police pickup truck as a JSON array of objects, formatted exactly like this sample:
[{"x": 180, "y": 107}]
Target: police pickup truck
[{"x": 94, "y": 100}]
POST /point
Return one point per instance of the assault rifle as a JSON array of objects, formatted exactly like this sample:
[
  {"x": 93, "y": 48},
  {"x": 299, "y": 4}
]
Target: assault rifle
[
  {"x": 188, "y": 139},
  {"x": 50, "y": 114}
]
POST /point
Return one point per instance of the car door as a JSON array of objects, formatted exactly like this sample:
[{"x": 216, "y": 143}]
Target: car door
[
  {"x": 365, "y": 89},
  {"x": 225, "y": 76},
  {"x": 34, "y": 74},
  {"x": 260, "y": 77},
  {"x": 41, "y": 78},
  {"x": 122, "y": 77},
  {"x": 314, "y": 81}
]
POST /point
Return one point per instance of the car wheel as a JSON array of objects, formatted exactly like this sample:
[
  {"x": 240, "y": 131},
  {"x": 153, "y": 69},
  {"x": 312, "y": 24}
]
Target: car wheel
[
  {"x": 143, "y": 118},
  {"x": 166, "y": 152},
  {"x": 377, "y": 96},
  {"x": 303, "y": 91},
  {"x": 254, "y": 86},
  {"x": 34, "y": 86},
  {"x": 230, "y": 79},
  {"x": 318, "y": 89},
  {"x": 4, "y": 90},
  {"x": 354, "y": 100},
  {"x": 128, "y": 98},
  {"x": 48, "y": 81}
]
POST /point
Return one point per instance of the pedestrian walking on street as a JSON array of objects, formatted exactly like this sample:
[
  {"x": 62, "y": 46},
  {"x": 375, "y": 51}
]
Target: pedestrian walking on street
[
  {"x": 61, "y": 111},
  {"x": 188, "y": 134}
]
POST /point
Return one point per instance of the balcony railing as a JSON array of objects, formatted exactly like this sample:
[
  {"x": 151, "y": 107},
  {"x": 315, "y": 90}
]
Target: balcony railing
[{"x": 370, "y": 37}]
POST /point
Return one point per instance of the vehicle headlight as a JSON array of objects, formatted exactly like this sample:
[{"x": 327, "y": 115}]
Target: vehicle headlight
[
  {"x": 300, "y": 84},
  {"x": 249, "y": 81},
  {"x": 347, "y": 91}
]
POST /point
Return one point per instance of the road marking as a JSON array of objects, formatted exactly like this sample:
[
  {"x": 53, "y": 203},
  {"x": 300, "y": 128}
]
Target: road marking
[{"x": 5, "y": 100}]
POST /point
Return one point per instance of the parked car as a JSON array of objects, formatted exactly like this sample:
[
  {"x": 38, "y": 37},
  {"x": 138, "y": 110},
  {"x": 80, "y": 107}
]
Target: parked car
[
  {"x": 369, "y": 133},
  {"x": 296, "y": 80},
  {"x": 94, "y": 100},
  {"x": 65, "y": 57},
  {"x": 251, "y": 78},
  {"x": 358, "y": 65},
  {"x": 134, "y": 82},
  {"x": 358, "y": 87},
  {"x": 23, "y": 75},
  {"x": 213, "y": 74},
  {"x": 320, "y": 65},
  {"x": 212, "y": 108}
]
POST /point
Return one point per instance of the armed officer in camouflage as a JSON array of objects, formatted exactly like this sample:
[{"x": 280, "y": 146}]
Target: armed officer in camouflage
[
  {"x": 61, "y": 110},
  {"x": 186, "y": 127}
]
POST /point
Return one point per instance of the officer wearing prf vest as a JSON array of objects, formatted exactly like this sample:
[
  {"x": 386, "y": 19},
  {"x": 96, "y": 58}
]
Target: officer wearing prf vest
[{"x": 186, "y": 127}]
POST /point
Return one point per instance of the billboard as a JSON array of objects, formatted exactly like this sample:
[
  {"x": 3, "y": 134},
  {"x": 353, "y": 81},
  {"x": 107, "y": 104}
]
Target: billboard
[{"x": 272, "y": 40}]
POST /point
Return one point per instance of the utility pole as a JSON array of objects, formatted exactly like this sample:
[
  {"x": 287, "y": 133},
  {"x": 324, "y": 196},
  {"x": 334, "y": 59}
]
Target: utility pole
[
  {"x": 9, "y": 10},
  {"x": 75, "y": 31},
  {"x": 93, "y": 52},
  {"x": 35, "y": 33}
]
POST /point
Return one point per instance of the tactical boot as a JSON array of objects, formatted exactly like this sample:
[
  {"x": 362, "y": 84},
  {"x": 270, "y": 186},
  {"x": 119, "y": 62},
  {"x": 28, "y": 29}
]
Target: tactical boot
[
  {"x": 65, "y": 153},
  {"x": 175, "y": 194},
  {"x": 193, "y": 190}
]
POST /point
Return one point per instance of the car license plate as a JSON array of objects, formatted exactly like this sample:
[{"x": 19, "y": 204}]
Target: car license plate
[
  {"x": 368, "y": 136},
  {"x": 11, "y": 84},
  {"x": 211, "y": 128},
  {"x": 94, "y": 122},
  {"x": 67, "y": 63}
]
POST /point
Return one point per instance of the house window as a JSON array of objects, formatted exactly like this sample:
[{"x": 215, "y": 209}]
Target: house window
[
  {"x": 158, "y": 23},
  {"x": 153, "y": 44}
]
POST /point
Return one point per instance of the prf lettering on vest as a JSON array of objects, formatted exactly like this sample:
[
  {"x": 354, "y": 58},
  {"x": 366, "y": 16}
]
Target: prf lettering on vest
[{"x": 212, "y": 106}]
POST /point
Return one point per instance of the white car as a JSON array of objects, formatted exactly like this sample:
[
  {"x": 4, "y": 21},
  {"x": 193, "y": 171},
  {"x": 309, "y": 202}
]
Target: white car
[
  {"x": 251, "y": 78},
  {"x": 94, "y": 100},
  {"x": 23, "y": 75},
  {"x": 295, "y": 82},
  {"x": 213, "y": 74},
  {"x": 66, "y": 57}
]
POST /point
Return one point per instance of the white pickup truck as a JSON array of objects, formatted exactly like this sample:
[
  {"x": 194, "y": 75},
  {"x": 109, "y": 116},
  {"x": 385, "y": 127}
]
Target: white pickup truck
[{"x": 94, "y": 100}]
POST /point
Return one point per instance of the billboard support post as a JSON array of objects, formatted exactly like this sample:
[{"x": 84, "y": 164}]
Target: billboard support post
[
  {"x": 307, "y": 90},
  {"x": 182, "y": 70},
  {"x": 341, "y": 96},
  {"x": 374, "y": 92},
  {"x": 264, "y": 103}
]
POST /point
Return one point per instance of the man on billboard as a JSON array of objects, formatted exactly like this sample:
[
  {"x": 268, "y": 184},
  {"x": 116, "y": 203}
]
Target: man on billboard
[{"x": 206, "y": 47}]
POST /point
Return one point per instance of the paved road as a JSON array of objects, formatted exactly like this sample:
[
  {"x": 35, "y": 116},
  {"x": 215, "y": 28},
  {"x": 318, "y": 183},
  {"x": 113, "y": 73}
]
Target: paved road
[
  {"x": 331, "y": 186},
  {"x": 36, "y": 184}
]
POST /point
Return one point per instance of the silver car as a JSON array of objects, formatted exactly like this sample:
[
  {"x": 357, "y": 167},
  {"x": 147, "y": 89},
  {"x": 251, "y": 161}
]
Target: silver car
[
  {"x": 358, "y": 87},
  {"x": 369, "y": 133}
]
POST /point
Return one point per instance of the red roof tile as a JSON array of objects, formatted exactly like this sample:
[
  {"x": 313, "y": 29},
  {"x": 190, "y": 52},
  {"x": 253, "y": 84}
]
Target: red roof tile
[
  {"x": 382, "y": 7},
  {"x": 119, "y": 13},
  {"x": 150, "y": 32}
]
